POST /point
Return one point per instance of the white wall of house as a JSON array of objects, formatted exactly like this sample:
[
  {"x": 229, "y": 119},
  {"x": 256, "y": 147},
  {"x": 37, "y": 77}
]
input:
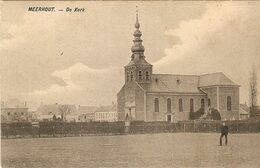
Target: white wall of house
[{"x": 106, "y": 116}]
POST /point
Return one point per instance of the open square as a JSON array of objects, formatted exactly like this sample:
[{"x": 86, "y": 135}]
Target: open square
[{"x": 146, "y": 150}]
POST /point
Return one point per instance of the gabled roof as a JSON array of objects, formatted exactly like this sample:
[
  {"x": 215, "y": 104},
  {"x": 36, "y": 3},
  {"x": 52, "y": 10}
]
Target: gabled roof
[
  {"x": 215, "y": 79},
  {"x": 121, "y": 90},
  {"x": 87, "y": 109},
  {"x": 106, "y": 108},
  {"x": 185, "y": 84},
  {"x": 13, "y": 103},
  {"x": 173, "y": 83}
]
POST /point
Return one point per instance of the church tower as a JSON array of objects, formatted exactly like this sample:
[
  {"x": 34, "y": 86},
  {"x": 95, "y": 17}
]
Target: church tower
[{"x": 138, "y": 69}]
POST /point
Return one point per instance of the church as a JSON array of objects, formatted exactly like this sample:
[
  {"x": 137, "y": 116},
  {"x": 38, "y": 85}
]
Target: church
[{"x": 168, "y": 97}]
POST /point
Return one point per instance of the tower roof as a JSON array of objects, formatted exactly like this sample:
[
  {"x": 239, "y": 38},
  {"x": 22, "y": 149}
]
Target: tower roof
[{"x": 137, "y": 46}]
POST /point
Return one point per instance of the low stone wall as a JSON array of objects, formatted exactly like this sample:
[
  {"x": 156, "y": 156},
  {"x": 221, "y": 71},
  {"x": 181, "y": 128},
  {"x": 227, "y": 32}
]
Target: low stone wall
[{"x": 63, "y": 129}]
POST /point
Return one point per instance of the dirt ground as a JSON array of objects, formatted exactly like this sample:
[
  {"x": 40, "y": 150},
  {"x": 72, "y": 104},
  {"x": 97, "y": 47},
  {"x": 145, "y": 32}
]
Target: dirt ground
[{"x": 150, "y": 150}]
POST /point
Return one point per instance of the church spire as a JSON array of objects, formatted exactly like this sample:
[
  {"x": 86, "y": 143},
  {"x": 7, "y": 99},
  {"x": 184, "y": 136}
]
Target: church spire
[
  {"x": 138, "y": 69},
  {"x": 137, "y": 25},
  {"x": 137, "y": 46}
]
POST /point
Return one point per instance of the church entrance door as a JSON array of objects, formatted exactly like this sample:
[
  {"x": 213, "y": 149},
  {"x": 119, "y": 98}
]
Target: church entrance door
[
  {"x": 130, "y": 113},
  {"x": 169, "y": 118}
]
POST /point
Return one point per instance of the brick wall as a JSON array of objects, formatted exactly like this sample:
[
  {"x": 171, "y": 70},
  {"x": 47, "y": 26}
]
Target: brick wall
[
  {"x": 233, "y": 92},
  {"x": 131, "y": 93},
  {"x": 223, "y": 93},
  {"x": 14, "y": 114},
  {"x": 212, "y": 95},
  {"x": 139, "y": 103},
  {"x": 121, "y": 104},
  {"x": 179, "y": 116}
]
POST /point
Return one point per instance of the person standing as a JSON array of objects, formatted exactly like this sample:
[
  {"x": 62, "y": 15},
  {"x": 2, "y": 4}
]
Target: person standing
[{"x": 224, "y": 132}]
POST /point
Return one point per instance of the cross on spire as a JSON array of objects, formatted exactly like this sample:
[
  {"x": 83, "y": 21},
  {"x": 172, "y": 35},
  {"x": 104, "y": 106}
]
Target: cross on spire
[
  {"x": 137, "y": 25},
  {"x": 136, "y": 11}
]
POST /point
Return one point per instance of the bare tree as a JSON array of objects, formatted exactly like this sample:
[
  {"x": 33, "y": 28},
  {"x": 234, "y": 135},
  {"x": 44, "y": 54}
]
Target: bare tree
[
  {"x": 64, "y": 110},
  {"x": 253, "y": 93}
]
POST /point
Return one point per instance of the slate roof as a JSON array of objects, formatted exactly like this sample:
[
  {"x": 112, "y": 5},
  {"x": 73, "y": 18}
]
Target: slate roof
[
  {"x": 13, "y": 103},
  {"x": 138, "y": 61},
  {"x": 185, "y": 83},
  {"x": 87, "y": 109},
  {"x": 173, "y": 83},
  {"x": 106, "y": 108},
  {"x": 215, "y": 79}
]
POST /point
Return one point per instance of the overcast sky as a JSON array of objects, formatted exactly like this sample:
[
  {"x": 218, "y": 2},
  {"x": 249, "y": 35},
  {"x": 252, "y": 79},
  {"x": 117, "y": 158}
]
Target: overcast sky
[{"x": 179, "y": 38}]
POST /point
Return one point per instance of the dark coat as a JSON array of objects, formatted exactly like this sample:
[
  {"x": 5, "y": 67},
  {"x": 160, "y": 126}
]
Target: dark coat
[{"x": 224, "y": 129}]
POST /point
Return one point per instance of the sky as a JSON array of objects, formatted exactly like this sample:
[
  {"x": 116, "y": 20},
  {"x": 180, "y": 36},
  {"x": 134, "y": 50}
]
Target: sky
[{"x": 79, "y": 58}]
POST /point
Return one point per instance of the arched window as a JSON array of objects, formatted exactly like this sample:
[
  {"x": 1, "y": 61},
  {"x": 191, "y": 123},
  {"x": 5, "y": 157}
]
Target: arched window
[
  {"x": 147, "y": 75},
  {"x": 209, "y": 103},
  {"x": 229, "y": 103},
  {"x": 132, "y": 76},
  {"x": 169, "y": 105},
  {"x": 140, "y": 75},
  {"x": 202, "y": 103},
  {"x": 127, "y": 76},
  {"x": 156, "y": 105},
  {"x": 191, "y": 105},
  {"x": 180, "y": 105}
]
